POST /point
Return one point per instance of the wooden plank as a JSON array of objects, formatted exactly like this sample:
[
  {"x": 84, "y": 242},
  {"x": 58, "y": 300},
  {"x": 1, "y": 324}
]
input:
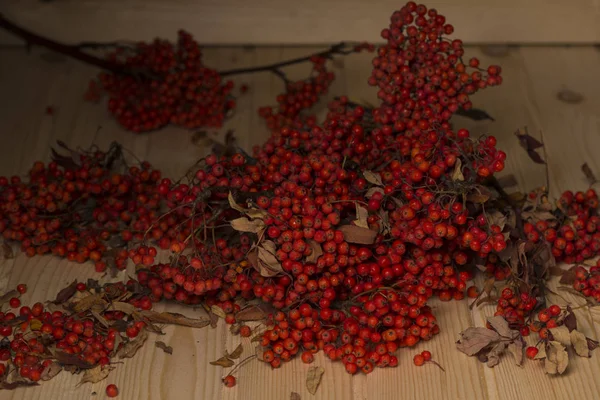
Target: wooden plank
[{"x": 312, "y": 21}]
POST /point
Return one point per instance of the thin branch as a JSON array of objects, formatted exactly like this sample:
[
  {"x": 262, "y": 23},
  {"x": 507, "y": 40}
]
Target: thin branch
[{"x": 545, "y": 162}]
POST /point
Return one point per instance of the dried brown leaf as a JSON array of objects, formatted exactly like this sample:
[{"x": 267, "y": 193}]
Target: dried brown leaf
[
  {"x": 580, "y": 344},
  {"x": 358, "y": 235},
  {"x": 589, "y": 174},
  {"x": 473, "y": 340},
  {"x": 251, "y": 212},
  {"x": 218, "y": 311},
  {"x": 235, "y": 354},
  {"x": 561, "y": 334},
  {"x": 527, "y": 141},
  {"x": 570, "y": 97},
  {"x": 163, "y": 346},
  {"x": 478, "y": 198},
  {"x": 457, "y": 174},
  {"x": 254, "y": 312},
  {"x": 259, "y": 351},
  {"x": 500, "y": 325},
  {"x": 123, "y": 307},
  {"x": 66, "y": 293},
  {"x": 541, "y": 353},
  {"x": 316, "y": 251},
  {"x": 507, "y": 181},
  {"x": 557, "y": 358},
  {"x": 130, "y": 348},
  {"x": 243, "y": 224},
  {"x": 568, "y": 276},
  {"x": 96, "y": 374},
  {"x": 362, "y": 214},
  {"x": 71, "y": 359},
  {"x": 373, "y": 177},
  {"x": 51, "y": 371},
  {"x": 493, "y": 356},
  {"x": 7, "y": 251},
  {"x": 538, "y": 216},
  {"x": 570, "y": 320},
  {"x": 269, "y": 265},
  {"x": 592, "y": 344},
  {"x": 496, "y": 218},
  {"x": 88, "y": 302},
  {"x": 313, "y": 378},
  {"x": 516, "y": 348},
  {"x": 223, "y": 362},
  {"x": 16, "y": 384},
  {"x": 295, "y": 396}
]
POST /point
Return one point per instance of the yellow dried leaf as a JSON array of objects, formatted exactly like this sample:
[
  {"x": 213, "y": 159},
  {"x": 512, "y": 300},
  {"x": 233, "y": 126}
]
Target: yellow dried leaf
[
  {"x": 372, "y": 177},
  {"x": 316, "y": 251},
  {"x": 95, "y": 374},
  {"x": 130, "y": 348},
  {"x": 313, "y": 379},
  {"x": 218, "y": 311},
  {"x": 357, "y": 234},
  {"x": 457, "y": 174},
  {"x": 223, "y": 362},
  {"x": 243, "y": 224},
  {"x": 235, "y": 354},
  {"x": 580, "y": 343}
]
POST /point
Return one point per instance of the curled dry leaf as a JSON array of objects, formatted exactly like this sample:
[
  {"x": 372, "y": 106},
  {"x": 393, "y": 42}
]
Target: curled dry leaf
[
  {"x": 457, "y": 174},
  {"x": 260, "y": 351},
  {"x": 530, "y": 144},
  {"x": 496, "y": 218},
  {"x": 223, "y": 362},
  {"x": 218, "y": 311},
  {"x": 295, "y": 396},
  {"x": 163, "y": 346},
  {"x": 358, "y": 235},
  {"x": 475, "y": 114},
  {"x": 127, "y": 308},
  {"x": 88, "y": 302},
  {"x": 570, "y": 320},
  {"x": 96, "y": 374},
  {"x": 251, "y": 212},
  {"x": 316, "y": 251},
  {"x": 500, "y": 325},
  {"x": 235, "y": 354},
  {"x": 493, "y": 356},
  {"x": 568, "y": 277},
  {"x": 557, "y": 358},
  {"x": 516, "y": 348},
  {"x": 243, "y": 224},
  {"x": 473, "y": 340},
  {"x": 313, "y": 378},
  {"x": 561, "y": 334},
  {"x": 268, "y": 264},
  {"x": 580, "y": 344},
  {"x": 130, "y": 348},
  {"x": 373, "y": 177},
  {"x": 51, "y": 371},
  {"x": 66, "y": 293},
  {"x": 254, "y": 312},
  {"x": 71, "y": 359},
  {"x": 361, "y": 217}
]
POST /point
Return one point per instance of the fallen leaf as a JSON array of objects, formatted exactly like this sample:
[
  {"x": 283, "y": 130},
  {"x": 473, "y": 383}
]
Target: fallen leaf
[
  {"x": 223, "y": 362},
  {"x": 233, "y": 204},
  {"x": 7, "y": 251},
  {"x": 316, "y": 251},
  {"x": 130, "y": 348},
  {"x": 592, "y": 344},
  {"x": 295, "y": 396},
  {"x": 541, "y": 353},
  {"x": 580, "y": 344},
  {"x": 358, "y": 235},
  {"x": 255, "y": 312},
  {"x": 478, "y": 198},
  {"x": 569, "y": 96},
  {"x": 516, "y": 348},
  {"x": 16, "y": 384},
  {"x": 507, "y": 181},
  {"x": 96, "y": 374},
  {"x": 65, "y": 294},
  {"x": 373, "y": 178},
  {"x": 163, "y": 346},
  {"x": 269, "y": 265},
  {"x": 361, "y": 217},
  {"x": 557, "y": 358},
  {"x": 570, "y": 320},
  {"x": 473, "y": 340},
  {"x": 495, "y": 353},
  {"x": 538, "y": 216},
  {"x": 496, "y": 218},
  {"x": 530, "y": 144},
  {"x": 568, "y": 277},
  {"x": 243, "y": 224},
  {"x": 51, "y": 371},
  {"x": 71, "y": 359},
  {"x": 88, "y": 302},
  {"x": 374, "y": 190},
  {"x": 251, "y": 212},
  {"x": 123, "y": 307},
  {"x": 561, "y": 334},
  {"x": 218, "y": 311},
  {"x": 259, "y": 351},
  {"x": 235, "y": 354},
  {"x": 500, "y": 325},
  {"x": 313, "y": 378},
  {"x": 457, "y": 174},
  {"x": 117, "y": 345}
]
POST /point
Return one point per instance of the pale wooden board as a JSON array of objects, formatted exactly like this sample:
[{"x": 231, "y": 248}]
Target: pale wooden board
[
  {"x": 527, "y": 98},
  {"x": 292, "y": 22}
]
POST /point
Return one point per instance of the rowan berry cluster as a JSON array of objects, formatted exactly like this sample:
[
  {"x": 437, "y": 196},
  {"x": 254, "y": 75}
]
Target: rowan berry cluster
[{"x": 587, "y": 281}]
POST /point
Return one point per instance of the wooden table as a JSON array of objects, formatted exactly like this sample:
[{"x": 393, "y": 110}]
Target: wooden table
[{"x": 528, "y": 97}]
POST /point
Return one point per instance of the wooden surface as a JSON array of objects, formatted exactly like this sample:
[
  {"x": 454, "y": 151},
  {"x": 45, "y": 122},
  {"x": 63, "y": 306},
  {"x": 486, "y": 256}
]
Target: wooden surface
[
  {"x": 532, "y": 78},
  {"x": 280, "y": 22}
]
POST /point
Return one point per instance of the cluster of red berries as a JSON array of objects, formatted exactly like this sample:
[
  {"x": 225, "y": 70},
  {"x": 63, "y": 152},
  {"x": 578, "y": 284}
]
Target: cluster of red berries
[
  {"x": 419, "y": 72},
  {"x": 588, "y": 281},
  {"x": 30, "y": 333},
  {"x": 515, "y": 308},
  {"x": 166, "y": 83},
  {"x": 575, "y": 232}
]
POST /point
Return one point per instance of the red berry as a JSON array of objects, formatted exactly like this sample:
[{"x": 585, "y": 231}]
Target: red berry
[{"x": 112, "y": 390}]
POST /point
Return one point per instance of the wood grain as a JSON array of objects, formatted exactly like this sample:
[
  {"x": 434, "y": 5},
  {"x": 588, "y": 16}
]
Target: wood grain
[
  {"x": 532, "y": 77},
  {"x": 277, "y": 22}
]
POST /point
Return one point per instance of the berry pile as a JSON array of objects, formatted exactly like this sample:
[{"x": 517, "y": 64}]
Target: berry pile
[
  {"x": 339, "y": 232},
  {"x": 587, "y": 282}
]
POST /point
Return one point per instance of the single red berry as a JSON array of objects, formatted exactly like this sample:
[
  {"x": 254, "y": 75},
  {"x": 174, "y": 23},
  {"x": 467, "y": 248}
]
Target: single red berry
[
  {"x": 15, "y": 302},
  {"x": 229, "y": 381},
  {"x": 112, "y": 390},
  {"x": 531, "y": 352},
  {"x": 22, "y": 288},
  {"x": 426, "y": 355},
  {"x": 419, "y": 360}
]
